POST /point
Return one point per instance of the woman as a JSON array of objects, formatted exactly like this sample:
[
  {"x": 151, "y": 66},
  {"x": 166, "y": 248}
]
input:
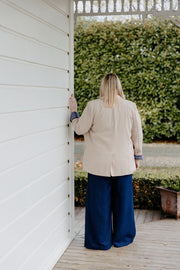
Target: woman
[{"x": 113, "y": 135}]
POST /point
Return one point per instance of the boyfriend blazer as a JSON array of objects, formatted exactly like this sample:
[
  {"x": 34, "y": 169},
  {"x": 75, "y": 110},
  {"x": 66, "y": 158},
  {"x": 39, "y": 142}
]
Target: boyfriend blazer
[{"x": 113, "y": 137}]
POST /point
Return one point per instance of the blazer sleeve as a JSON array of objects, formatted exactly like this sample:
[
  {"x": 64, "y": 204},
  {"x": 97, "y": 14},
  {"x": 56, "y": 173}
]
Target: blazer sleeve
[
  {"x": 137, "y": 134},
  {"x": 83, "y": 123}
]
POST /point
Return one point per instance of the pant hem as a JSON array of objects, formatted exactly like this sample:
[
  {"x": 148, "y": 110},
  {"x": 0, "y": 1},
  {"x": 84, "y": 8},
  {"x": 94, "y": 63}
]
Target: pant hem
[
  {"x": 98, "y": 248},
  {"x": 122, "y": 244}
]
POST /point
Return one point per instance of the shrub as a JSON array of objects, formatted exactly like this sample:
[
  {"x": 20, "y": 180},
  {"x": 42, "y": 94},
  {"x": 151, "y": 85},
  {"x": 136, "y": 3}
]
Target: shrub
[
  {"x": 146, "y": 59},
  {"x": 146, "y": 196},
  {"x": 172, "y": 184}
]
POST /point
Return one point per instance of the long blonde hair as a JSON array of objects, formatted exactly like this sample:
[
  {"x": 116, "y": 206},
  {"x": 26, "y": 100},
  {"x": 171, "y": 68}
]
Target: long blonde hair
[{"x": 110, "y": 87}]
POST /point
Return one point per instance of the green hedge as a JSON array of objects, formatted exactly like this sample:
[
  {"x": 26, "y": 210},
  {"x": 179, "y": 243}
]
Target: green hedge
[
  {"x": 146, "y": 196},
  {"x": 146, "y": 59}
]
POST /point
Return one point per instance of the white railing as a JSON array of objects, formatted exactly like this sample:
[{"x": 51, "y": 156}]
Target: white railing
[{"x": 143, "y": 8}]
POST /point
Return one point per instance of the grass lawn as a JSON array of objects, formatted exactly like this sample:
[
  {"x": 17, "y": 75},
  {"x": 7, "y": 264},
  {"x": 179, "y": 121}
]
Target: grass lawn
[
  {"x": 158, "y": 171},
  {"x": 155, "y": 171}
]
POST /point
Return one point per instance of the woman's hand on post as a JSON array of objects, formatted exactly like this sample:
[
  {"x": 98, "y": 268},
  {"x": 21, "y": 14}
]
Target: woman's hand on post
[
  {"x": 137, "y": 163},
  {"x": 72, "y": 103}
]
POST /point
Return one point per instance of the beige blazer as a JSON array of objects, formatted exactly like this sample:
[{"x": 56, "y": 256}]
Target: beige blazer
[{"x": 113, "y": 137}]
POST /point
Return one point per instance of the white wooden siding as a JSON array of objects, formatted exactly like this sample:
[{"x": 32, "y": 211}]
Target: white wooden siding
[{"x": 36, "y": 143}]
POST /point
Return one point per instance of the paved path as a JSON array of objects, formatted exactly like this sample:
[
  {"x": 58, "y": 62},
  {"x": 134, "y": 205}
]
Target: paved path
[{"x": 154, "y": 154}]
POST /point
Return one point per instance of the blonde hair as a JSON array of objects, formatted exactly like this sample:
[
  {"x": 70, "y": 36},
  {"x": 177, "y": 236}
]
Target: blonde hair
[{"x": 110, "y": 87}]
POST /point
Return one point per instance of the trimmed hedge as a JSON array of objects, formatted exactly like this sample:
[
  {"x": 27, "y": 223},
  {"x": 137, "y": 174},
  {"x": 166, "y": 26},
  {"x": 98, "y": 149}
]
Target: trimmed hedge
[
  {"x": 146, "y": 196},
  {"x": 146, "y": 58}
]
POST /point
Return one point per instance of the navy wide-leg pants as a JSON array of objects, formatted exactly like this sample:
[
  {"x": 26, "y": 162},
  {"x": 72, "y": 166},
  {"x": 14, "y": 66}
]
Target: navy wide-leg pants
[{"x": 109, "y": 216}]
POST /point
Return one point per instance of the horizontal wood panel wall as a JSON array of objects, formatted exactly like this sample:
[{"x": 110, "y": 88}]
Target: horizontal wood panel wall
[{"x": 36, "y": 142}]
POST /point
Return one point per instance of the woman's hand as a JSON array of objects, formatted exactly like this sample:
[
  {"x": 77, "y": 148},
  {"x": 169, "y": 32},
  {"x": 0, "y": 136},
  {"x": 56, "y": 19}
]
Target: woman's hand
[
  {"x": 137, "y": 163},
  {"x": 73, "y": 104}
]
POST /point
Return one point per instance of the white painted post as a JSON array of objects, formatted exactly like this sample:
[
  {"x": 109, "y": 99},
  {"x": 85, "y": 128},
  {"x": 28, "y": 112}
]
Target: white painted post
[{"x": 71, "y": 132}]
